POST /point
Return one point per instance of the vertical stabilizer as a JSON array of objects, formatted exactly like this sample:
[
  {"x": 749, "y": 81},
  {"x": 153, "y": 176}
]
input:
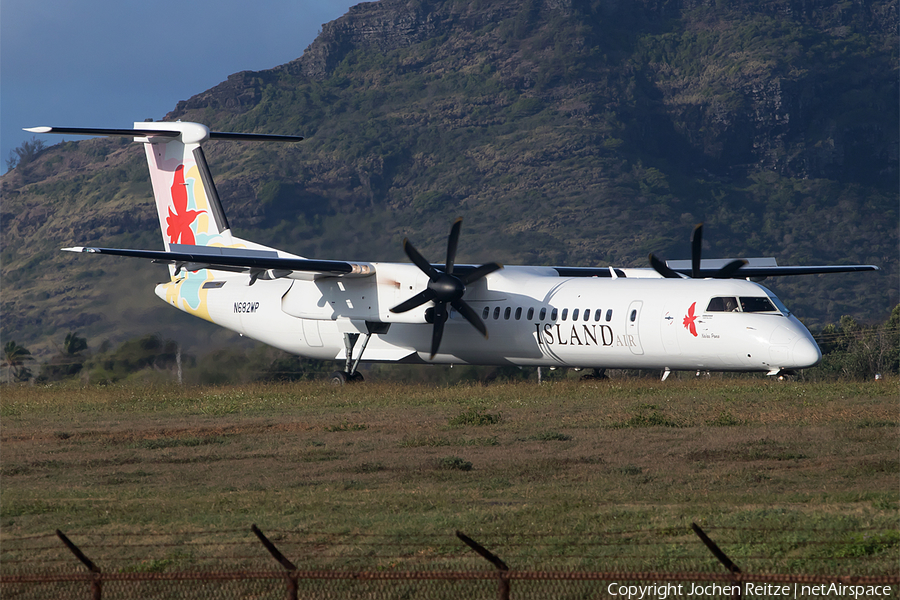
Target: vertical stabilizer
[{"x": 187, "y": 203}]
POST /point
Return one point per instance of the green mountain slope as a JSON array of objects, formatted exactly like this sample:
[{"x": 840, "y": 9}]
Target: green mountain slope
[{"x": 564, "y": 132}]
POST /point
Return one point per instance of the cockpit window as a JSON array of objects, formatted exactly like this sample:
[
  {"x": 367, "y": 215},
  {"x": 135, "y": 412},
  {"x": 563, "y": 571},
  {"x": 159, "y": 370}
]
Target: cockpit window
[
  {"x": 757, "y": 305},
  {"x": 779, "y": 305},
  {"x": 723, "y": 304}
]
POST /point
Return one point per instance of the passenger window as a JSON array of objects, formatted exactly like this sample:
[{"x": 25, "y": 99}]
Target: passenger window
[
  {"x": 574, "y": 315},
  {"x": 587, "y": 314},
  {"x": 565, "y": 313},
  {"x": 722, "y": 304},
  {"x": 518, "y": 313},
  {"x": 633, "y": 316},
  {"x": 752, "y": 305},
  {"x": 530, "y": 314},
  {"x": 543, "y": 314},
  {"x": 598, "y": 314},
  {"x": 506, "y": 313},
  {"x": 485, "y": 312},
  {"x": 553, "y": 314},
  {"x": 496, "y": 313},
  {"x": 609, "y": 315}
]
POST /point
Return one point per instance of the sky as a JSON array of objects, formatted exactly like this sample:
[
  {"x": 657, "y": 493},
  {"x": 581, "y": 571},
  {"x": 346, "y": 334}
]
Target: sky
[{"x": 109, "y": 63}]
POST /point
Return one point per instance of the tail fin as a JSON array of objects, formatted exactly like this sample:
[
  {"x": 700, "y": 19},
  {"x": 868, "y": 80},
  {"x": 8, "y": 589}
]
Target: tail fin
[
  {"x": 186, "y": 199},
  {"x": 187, "y": 203}
]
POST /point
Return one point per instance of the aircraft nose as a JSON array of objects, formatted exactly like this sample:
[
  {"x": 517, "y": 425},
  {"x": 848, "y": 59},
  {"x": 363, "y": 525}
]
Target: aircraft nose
[{"x": 806, "y": 353}]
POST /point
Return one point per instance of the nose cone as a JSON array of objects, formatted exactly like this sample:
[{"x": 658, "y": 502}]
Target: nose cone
[{"x": 806, "y": 353}]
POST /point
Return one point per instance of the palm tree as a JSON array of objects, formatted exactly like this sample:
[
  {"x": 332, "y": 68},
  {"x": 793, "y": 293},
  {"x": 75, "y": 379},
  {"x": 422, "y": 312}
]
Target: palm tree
[
  {"x": 14, "y": 357},
  {"x": 74, "y": 344},
  {"x": 68, "y": 361}
]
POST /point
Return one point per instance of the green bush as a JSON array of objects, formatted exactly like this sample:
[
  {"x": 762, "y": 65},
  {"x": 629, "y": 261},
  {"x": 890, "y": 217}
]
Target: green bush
[
  {"x": 854, "y": 351},
  {"x": 454, "y": 463},
  {"x": 474, "y": 417}
]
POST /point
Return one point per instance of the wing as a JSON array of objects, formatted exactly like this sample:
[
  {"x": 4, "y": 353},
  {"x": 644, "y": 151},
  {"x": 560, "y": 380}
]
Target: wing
[
  {"x": 257, "y": 263},
  {"x": 763, "y": 272},
  {"x": 760, "y": 268},
  {"x": 753, "y": 270}
]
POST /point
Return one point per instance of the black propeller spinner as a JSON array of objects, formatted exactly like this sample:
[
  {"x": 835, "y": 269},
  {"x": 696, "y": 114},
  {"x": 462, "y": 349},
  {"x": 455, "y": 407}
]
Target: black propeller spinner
[
  {"x": 726, "y": 272},
  {"x": 445, "y": 288}
]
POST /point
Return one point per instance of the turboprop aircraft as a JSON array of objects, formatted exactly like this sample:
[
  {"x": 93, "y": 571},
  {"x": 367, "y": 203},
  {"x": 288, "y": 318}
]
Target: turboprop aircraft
[{"x": 702, "y": 315}]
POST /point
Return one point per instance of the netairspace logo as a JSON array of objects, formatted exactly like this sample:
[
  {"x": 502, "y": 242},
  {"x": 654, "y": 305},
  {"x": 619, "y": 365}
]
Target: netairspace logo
[{"x": 763, "y": 590}]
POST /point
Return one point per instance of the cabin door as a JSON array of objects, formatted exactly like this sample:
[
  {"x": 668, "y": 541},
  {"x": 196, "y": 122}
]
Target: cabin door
[{"x": 632, "y": 320}]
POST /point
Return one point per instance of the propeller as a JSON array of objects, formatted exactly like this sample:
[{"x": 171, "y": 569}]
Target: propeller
[
  {"x": 445, "y": 288},
  {"x": 725, "y": 272}
]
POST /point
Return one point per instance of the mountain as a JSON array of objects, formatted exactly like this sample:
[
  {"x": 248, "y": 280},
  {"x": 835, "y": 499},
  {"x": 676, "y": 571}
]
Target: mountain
[{"x": 562, "y": 131}]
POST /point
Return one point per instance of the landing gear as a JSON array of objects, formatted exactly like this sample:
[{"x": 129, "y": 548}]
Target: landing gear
[
  {"x": 350, "y": 374},
  {"x": 340, "y": 378}
]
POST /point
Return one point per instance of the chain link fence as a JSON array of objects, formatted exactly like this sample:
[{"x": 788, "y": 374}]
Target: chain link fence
[{"x": 653, "y": 563}]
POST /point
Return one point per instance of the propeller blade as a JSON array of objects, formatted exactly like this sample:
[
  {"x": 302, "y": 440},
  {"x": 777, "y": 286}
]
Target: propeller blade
[
  {"x": 452, "y": 243},
  {"x": 440, "y": 316},
  {"x": 419, "y": 260},
  {"x": 445, "y": 288},
  {"x": 480, "y": 272},
  {"x": 417, "y": 300},
  {"x": 728, "y": 271},
  {"x": 663, "y": 269},
  {"x": 470, "y": 315},
  {"x": 696, "y": 250}
]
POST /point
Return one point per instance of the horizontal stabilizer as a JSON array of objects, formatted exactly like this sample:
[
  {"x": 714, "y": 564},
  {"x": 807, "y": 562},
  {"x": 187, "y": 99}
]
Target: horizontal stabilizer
[{"x": 132, "y": 133}]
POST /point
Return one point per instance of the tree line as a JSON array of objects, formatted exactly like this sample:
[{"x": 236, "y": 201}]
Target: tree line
[
  {"x": 152, "y": 359},
  {"x": 850, "y": 350}
]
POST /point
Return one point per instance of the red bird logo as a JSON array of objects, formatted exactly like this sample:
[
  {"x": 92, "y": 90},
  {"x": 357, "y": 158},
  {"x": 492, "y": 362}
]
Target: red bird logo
[
  {"x": 180, "y": 221},
  {"x": 689, "y": 320}
]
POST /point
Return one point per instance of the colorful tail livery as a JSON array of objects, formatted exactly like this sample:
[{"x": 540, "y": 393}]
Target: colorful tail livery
[
  {"x": 564, "y": 316},
  {"x": 190, "y": 213}
]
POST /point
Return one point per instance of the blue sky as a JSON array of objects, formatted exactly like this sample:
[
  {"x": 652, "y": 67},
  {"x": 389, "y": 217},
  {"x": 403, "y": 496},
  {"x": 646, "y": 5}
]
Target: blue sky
[{"x": 108, "y": 63}]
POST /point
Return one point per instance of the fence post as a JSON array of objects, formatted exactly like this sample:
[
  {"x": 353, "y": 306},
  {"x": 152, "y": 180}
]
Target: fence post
[
  {"x": 282, "y": 560},
  {"x": 503, "y": 570},
  {"x": 96, "y": 583},
  {"x": 723, "y": 558}
]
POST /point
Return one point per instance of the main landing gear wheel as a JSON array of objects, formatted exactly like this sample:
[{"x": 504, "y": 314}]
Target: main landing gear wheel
[{"x": 339, "y": 378}]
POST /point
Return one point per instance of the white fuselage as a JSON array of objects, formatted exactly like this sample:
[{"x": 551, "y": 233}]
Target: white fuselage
[{"x": 534, "y": 317}]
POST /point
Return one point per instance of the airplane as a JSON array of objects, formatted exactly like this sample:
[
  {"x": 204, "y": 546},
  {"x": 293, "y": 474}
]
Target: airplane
[{"x": 697, "y": 315}]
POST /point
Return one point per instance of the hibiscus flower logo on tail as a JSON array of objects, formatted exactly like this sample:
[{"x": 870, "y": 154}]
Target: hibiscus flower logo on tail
[
  {"x": 179, "y": 222},
  {"x": 689, "y": 320}
]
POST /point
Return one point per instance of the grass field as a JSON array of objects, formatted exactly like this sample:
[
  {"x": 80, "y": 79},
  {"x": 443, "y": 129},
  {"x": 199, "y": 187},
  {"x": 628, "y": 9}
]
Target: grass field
[{"x": 566, "y": 463}]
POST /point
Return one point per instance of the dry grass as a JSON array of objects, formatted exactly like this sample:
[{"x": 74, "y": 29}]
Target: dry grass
[{"x": 568, "y": 459}]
